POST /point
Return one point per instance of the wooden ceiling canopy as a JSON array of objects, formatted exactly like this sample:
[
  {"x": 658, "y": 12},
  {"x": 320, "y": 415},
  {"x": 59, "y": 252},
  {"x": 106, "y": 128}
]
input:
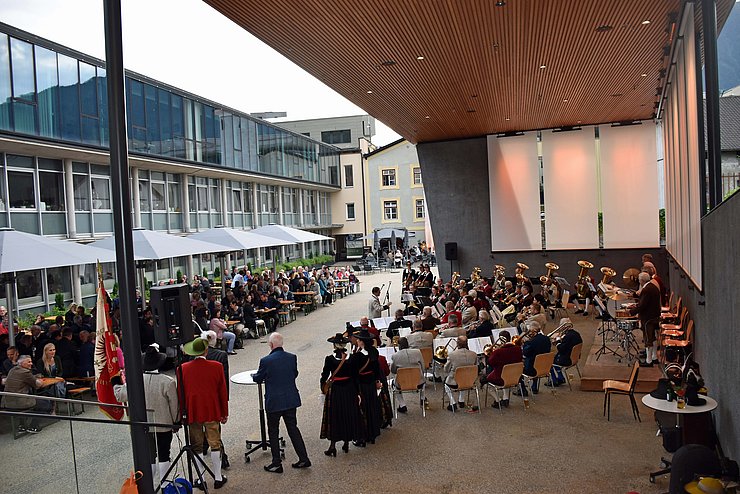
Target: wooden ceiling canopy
[{"x": 448, "y": 69}]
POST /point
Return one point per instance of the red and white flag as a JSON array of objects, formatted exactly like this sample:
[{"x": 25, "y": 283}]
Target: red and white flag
[{"x": 106, "y": 355}]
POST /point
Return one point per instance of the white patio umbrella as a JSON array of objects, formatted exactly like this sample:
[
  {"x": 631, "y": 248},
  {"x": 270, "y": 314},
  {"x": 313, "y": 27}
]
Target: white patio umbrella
[
  {"x": 290, "y": 234},
  {"x": 150, "y": 245},
  {"x": 237, "y": 240},
  {"x": 20, "y": 251}
]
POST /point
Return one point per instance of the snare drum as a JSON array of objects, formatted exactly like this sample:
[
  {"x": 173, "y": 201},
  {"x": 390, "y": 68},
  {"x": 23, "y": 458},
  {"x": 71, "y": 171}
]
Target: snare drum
[
  {"x": 623, "y": 313},
  {"x": 627, "y": 324}
]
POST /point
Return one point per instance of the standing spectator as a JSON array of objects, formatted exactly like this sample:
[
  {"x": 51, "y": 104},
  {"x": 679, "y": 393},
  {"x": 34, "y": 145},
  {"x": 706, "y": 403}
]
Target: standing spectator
[
  {"x": 278, "y": 371},
  {"x": 203, "y": 395},
  {"x": 67, "y": 352},
  {"x": 87, "y": 355}
]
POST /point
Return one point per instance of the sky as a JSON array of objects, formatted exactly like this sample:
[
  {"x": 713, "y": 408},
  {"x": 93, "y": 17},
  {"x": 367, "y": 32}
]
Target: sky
[{"x": 187, "y": 44}]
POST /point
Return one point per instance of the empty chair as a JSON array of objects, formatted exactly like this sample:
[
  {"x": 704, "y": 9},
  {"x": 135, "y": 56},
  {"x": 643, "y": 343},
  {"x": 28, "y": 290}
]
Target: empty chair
[
  {"x": 465, "y": 377},
  {"x": 407, "y": 381},
  {"x": 622, "y": 388},
  {"x": 675, "y": 330},
  {"x": 510, "y": 374},
  {"x": 679, "y": 345},
  {"x": 667, "y": 308}
]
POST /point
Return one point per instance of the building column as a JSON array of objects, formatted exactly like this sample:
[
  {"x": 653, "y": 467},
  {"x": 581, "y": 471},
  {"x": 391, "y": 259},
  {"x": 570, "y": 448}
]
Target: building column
[
  {"x": 69, "y": 202},
  {"x": 186, "y": 209},
  {"x": 255, "y": 208},
  {"x": 135, "y": 196},
  {"x": 281, "y": 212},
  {"x": 224, "y": 202},
  {"x": 76, "y": 285},
  {"x": 189, "y": 268}
]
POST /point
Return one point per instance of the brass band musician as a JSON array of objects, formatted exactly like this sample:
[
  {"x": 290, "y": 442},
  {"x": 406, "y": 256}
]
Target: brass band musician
[
  {"x": 570, "y": 339},
  {"x": 507, "y": 354},
  {"x": 648, "y": 311}
]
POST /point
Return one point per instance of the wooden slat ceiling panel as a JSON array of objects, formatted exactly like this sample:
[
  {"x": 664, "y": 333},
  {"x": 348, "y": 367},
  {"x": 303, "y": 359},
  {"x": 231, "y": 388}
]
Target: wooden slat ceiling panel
[{"x": 481, "y": 68}]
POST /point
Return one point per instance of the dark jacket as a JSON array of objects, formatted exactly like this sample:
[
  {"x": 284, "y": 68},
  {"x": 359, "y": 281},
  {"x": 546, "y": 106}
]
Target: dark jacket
[
  {"x": 530, "y": 349},
  {"x": 67, "y": 352},
  {"x": 507, "y": 354},
  {"x": 58, "y": 371},
  {"x": 223, "y": 358},
  {"x": 565, "y": 347},
  {"x": 278, "y": 371}
]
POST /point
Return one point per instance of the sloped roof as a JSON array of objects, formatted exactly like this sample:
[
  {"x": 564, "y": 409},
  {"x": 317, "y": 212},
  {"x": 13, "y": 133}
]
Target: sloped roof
[{"x": 729, "y": 119}]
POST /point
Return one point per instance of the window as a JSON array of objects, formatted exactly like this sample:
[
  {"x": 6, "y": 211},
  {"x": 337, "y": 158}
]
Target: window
[
  {"x": 236, "y": 204},
  {"x": 419, "y": 209},
  {"x": 350, "y": 211},
  {"x": 349, "y": 178},
  {"x": 100, "y": 192},
  {"x": 20, "y": 190},
  {"x": 174, "y": 196},
  {"x": 390, "y": 209},
  {"x": 145, "y": 204},
  {"x": 389, "y": 178},
  {"x": 51, "y": 191},
  {"x": 336, "y": 136},
  {"x": 417, "y": 175},
  {"x": 158, "y": 198},
  {"x": 82, "y": 192}
]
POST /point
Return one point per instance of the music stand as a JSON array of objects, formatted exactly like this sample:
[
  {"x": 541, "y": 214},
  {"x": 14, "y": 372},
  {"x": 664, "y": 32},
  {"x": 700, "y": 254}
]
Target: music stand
[
  {"x": 245, "y": 378},
  {"x": 608, "y": 323}
]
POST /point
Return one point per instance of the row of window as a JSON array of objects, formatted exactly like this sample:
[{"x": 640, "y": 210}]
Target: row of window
[
  {"x": 390, "y": 210},
  {"x": 36, "y": 190},
  {"x": 388, "y": 177},
  {"x": 49, "y": 94}
]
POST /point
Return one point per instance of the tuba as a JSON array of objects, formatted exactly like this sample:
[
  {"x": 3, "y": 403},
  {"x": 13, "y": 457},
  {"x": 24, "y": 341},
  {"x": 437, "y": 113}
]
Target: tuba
[
  {"x": 583, "y": 279},
  {"x": 455, "y": 277},
  {"x": 551, "y": 269},
  {"x": 475, "y": 275},
  {"x": 608, "y": 273}
]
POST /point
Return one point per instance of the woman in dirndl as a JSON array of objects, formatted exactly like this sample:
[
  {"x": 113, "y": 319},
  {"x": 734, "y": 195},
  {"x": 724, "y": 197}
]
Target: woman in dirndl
[
  {"x": 341, "y": 419},
  {"x": 364, "y": 363}
]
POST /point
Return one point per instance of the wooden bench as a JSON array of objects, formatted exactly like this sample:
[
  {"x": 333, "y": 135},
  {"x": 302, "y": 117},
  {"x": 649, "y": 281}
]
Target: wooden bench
[
  {"x": 306, "y": 305},
  {"x": 284, "y": 317},
  {"x": 76, "y": 394}
]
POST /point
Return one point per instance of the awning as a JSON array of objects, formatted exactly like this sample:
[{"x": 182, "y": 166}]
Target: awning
[
  {"x": 238, "y": 239},
  {"x": 152, "y": 245},
  {"x": 290, "y": 234}
]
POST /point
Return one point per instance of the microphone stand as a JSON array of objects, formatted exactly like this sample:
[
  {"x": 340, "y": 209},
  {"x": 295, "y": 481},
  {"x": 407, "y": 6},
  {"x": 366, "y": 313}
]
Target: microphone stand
[{"x": 387, "y": 297}]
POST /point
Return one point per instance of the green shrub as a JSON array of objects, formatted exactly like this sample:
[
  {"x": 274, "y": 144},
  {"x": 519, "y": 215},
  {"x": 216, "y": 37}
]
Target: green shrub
[
  {"x": 114, "y": 292},
  {"x": 205, "y": 273},
  {"x": 217, "y": 272},
  {"x": 179, "y": 276},
  {"x": 59, "y": 300}
]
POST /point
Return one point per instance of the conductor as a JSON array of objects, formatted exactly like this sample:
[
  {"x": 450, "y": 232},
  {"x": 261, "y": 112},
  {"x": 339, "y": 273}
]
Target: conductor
[{"x": 374, "y": 307}]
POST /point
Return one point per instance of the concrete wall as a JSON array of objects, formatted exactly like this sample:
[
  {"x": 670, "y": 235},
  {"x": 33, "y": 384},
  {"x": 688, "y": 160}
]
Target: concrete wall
[
  {"x": 456, "y": 184},
  {"x": 716, "y": 313}
]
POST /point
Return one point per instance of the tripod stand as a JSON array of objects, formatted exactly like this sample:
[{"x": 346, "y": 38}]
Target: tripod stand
[
  {"x": 608, "y": 324},
  {"x": 191, "y": 457}
]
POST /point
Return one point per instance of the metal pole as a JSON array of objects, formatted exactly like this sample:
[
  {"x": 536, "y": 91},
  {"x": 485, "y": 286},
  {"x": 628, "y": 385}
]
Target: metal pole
[
  {"x": 125, "y": 266},
  {"x": 709, "y": 24}
]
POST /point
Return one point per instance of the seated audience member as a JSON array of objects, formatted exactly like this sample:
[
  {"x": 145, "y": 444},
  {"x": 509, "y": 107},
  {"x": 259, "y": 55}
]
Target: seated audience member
[
  {"x": 509, "y": 353},
  {"x": 11, "y": 361},
  {"x": 399, "y": 323},
  {"x": 219, "y": 326},
  {"x": 453, "y": 327},
  {"x": 87, "y": 355},
  {"x": 537, "y": 344},
  {"x": 570, "y": 339},
  {"x": 459, "y": 357},
  {"x": 22, "y": 381},
  {"x": 420, "y": 338},
  {"x": 406, "y": 357},
  {"x": 50, "y": 365}
]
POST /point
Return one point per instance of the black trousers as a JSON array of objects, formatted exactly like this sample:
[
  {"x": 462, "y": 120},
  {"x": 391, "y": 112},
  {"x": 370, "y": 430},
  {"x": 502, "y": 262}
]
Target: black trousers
[{"x": 273, "y": 431}]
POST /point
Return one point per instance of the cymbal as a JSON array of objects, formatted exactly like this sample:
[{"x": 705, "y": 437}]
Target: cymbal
[
  {"x": 617, "y": 295},
  {"x": 630, "y": 277}
]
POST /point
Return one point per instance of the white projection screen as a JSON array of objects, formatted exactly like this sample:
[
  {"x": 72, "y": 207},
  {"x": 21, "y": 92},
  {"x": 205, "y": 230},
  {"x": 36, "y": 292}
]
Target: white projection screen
[
  {"x": 570, "y": 183},
  {"x": 513, "y": 175},
  {"x": 629, "y": 186}
]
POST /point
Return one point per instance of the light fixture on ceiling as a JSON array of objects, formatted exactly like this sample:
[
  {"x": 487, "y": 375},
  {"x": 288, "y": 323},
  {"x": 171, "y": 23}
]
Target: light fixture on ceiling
[
  {"x": 388, "y": 63},
  {"x": 645, "y": 22},
  {"x": 500, "y": 3},
  {"x": 507, "y": 119},
  {"x": 604, "y": 28},
  {"x": 420, "y": 57},
  {"x": 427, "y": 116},
  {"x": 643, "y": 75},
  {"x": 565, "y": 101},
  {"x": 369, "y": 92},
  {"x": 543, "y": 66}
]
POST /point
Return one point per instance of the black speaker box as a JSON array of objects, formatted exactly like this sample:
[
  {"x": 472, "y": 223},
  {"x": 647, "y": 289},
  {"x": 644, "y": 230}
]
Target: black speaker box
[
  {"x": 451, "y": 251},
  {"x": 173, "y": 321}
]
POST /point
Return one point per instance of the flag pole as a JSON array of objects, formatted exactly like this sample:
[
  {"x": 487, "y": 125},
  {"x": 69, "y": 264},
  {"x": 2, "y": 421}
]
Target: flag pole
[{"x": 125, "y": 267}]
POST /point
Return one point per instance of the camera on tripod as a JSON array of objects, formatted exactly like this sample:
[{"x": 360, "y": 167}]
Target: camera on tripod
[{"x": 173, "y": 323}]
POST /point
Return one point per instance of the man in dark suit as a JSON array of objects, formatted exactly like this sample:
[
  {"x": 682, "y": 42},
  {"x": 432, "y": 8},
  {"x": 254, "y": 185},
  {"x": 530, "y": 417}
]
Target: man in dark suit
[
  {"x": 537, "y": 344},
  {"x": 278, "y": 371},
  {"x": 399, "y": 323},
  {"x": 570, "y": 339},
  {"x": 67, "y": 353}
]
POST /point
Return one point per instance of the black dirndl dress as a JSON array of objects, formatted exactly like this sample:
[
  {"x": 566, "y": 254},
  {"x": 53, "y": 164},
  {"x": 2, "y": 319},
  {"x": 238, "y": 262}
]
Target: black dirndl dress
[
  {"x": 341, "y": 419},
  {"x": 367, "y": 372}
]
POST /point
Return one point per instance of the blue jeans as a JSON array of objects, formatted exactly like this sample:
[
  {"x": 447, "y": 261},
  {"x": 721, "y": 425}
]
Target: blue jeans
[{"x": 230, "y": 339}]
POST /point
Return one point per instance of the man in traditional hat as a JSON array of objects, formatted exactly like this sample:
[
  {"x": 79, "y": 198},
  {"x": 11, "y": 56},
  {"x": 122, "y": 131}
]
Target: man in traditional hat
[
  {"x": 278, "y": 371},
  {"x": 160, "y": 391},
  {"x": 204, "y": 399}
]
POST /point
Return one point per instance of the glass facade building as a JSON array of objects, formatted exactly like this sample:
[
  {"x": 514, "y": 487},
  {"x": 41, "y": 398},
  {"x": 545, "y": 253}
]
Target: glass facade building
[{"x": 195, "y": 164}]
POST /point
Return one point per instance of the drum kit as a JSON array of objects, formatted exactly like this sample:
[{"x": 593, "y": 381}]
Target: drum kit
[{"x": 620, "y": 329}]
